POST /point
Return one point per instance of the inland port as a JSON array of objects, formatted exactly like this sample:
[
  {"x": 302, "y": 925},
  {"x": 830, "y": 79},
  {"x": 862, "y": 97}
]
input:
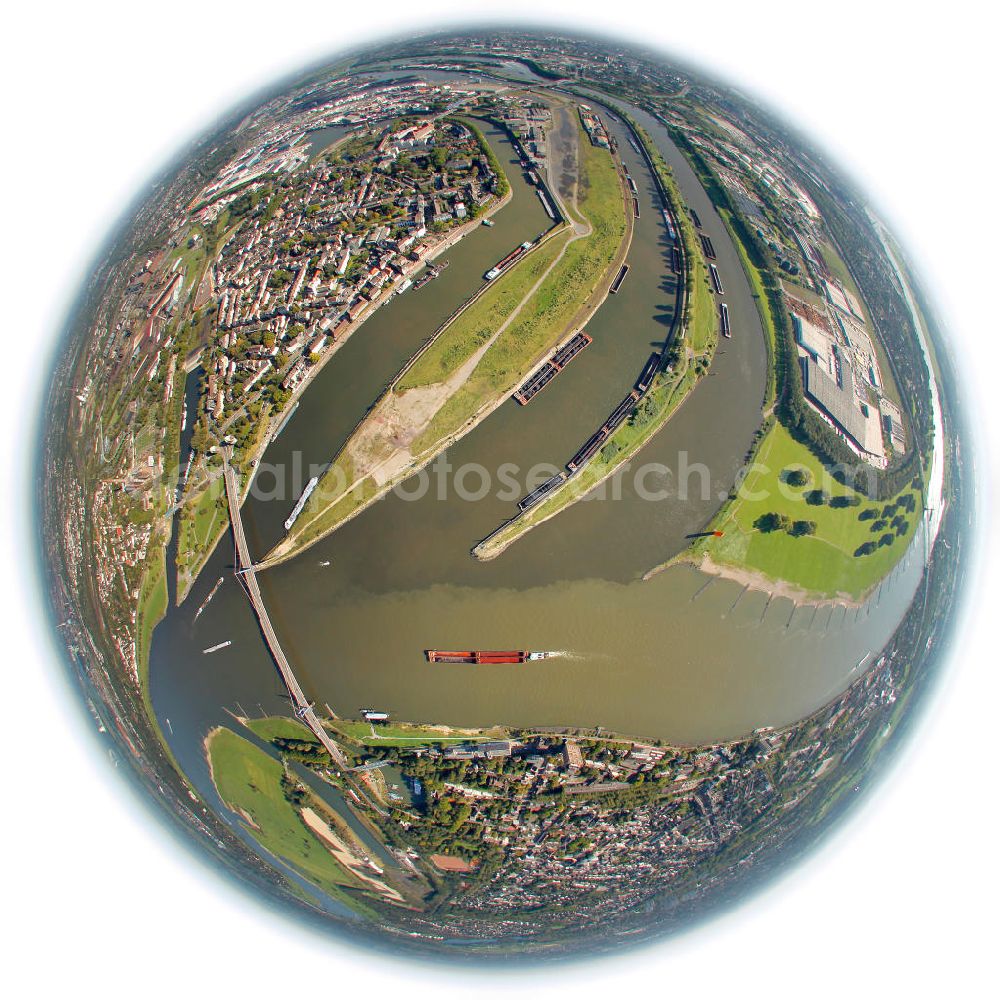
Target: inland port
[{"x": 483, "y": 655}]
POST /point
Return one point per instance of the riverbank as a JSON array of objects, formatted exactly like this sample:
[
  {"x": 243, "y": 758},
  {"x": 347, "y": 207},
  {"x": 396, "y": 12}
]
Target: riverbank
[
  {"x": 257, "y": 788},
  {"x": 756, "y": 580}
]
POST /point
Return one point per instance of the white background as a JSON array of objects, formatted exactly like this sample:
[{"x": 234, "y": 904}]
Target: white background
[{"x": 96, "y": 97}]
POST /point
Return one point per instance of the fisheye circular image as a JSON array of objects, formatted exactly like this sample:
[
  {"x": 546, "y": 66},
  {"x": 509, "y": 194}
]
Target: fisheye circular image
[{"x": 503, "y": 494}]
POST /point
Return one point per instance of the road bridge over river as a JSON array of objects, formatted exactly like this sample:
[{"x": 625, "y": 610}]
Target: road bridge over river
[{"x": 248, "y": 574}]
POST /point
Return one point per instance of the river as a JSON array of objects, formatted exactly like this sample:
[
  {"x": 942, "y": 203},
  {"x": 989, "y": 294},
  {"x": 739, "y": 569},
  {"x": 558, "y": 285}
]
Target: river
[{"x": 682, "y": 657}]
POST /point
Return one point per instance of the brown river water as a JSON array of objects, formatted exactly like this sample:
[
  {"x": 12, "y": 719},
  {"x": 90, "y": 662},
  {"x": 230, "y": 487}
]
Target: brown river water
[{"x": 683, "y": 657}]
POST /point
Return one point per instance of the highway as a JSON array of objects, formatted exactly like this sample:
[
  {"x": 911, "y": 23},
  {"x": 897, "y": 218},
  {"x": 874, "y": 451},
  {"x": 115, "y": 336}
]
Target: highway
[{"x": 245, "y": 567}]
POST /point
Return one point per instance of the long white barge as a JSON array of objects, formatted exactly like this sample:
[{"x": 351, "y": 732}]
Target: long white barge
[{"x": 301, "y": 502}]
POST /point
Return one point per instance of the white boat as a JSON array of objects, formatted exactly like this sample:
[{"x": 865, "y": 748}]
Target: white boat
[
  {"x": 218, "y": 646},
  {"x": 297, "y": 509}
]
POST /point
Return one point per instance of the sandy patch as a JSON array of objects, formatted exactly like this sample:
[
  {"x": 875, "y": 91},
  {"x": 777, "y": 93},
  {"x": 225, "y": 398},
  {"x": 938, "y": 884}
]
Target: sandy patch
[
  {"x": 357, "y": 866},
  {"x": 756, "y": 580}
]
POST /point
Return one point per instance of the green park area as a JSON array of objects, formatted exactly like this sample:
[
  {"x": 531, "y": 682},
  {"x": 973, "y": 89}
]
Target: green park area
[
  {"x": 255, "y": 785},
  {"x": 791, "y": 521},
  {"x": 277, "y": 727},
  {"x": 397, "y": 734},
  {"x": 703, "y": 327},
  {"x": 408, "y": 735},
  {"x": 202, "y": 518}
]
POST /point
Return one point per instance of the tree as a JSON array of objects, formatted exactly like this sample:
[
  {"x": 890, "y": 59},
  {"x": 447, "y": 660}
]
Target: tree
[
  {"x": 801, "y": 528},
  {"x": 846, "y": 500},
  {"x": 797, "y": 477},
  {"x": 816, "y": 498},
  {"x": 772, "y": 521}
]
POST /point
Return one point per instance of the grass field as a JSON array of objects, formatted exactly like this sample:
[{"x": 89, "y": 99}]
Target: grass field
[
  {"x": 824, "y": 563},
  {"x": 703, "y": 331},
  {"x": 463, "y": 337},
  {"x": 403, "y": 734},
  {"x": 338, "y": 511},
  {"x": 249, "y": 781},
  {"x": 202, "y": 520}
]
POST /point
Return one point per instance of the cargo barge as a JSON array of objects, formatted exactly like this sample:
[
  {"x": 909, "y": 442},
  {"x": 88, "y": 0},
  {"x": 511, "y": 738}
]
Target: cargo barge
[
  {"x": 484, "y": 655},
  {"x": 649, "y": 370},
  {"x": 617, "y": 283},
  {"x": 716, "y": 280},
  {"x": 538, "y": 494},
  {"x": 694, "y": 216},
  {"x": 545, "y": 204},
  {"x": 724, "y": 320},
  {"x": 512, "y": 258},
  {"x": 433, "y": 270},
  {"x": 669, "y": 223},
  {"x": 706, "y": 245},
  {"x": 552, "y": 367},
  {"x": 595, "y": 441}
]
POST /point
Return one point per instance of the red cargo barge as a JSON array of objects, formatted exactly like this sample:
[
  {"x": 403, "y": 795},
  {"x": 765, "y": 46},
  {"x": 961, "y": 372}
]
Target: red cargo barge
[{"x": 483, "y": 655}]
